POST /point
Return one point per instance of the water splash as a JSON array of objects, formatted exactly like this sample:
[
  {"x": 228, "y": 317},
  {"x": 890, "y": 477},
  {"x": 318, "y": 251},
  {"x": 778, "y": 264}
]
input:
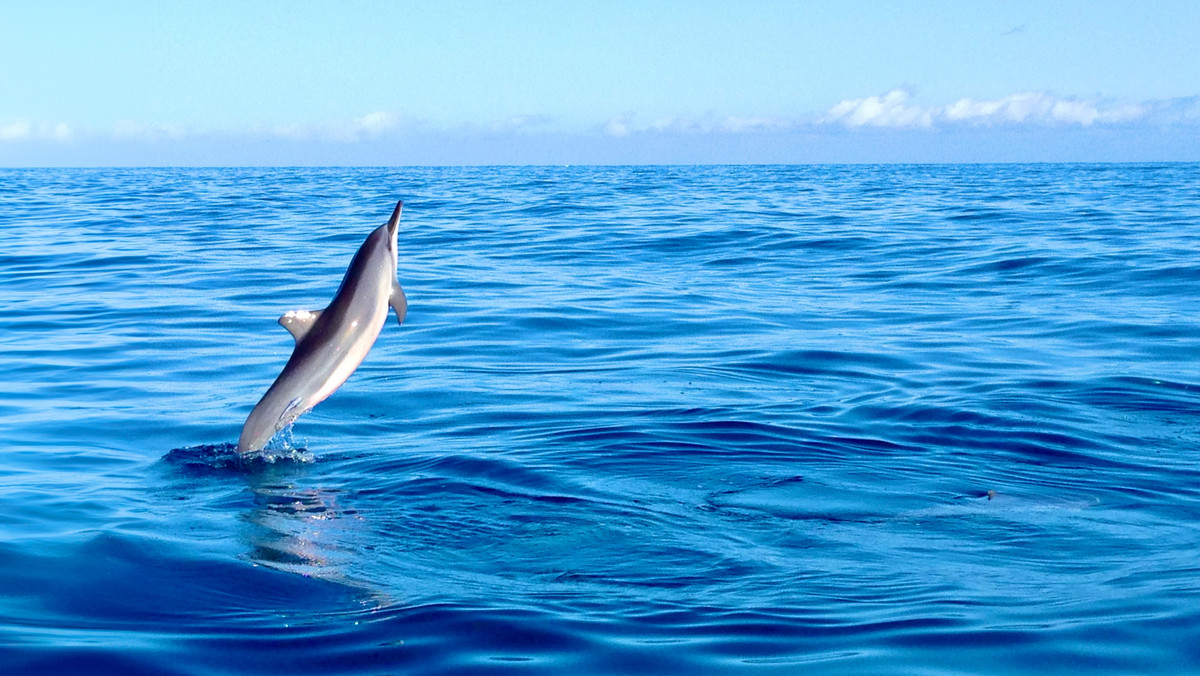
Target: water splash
[{"x": 225, "y": 456}]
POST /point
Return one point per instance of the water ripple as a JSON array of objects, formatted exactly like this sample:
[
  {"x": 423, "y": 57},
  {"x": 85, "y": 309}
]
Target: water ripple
[{"x": 937, "y": 419}]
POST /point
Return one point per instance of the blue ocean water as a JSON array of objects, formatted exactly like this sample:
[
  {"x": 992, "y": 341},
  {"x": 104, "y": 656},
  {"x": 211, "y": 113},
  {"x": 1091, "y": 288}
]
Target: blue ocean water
[{"x": 640, "y": 420}]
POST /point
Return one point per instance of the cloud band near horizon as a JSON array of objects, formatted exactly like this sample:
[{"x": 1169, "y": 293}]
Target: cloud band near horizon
[{"x": 891, "y": 110}]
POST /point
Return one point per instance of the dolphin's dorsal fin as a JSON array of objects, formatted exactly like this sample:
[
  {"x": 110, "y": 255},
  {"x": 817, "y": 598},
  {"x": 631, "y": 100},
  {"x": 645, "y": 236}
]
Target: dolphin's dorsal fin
[
  {"x": 397, "y": 300},
  {"x": 298, "y": 322}
]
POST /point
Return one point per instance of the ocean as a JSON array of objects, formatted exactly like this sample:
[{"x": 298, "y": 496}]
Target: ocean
[{"x": 639, "y": 420}]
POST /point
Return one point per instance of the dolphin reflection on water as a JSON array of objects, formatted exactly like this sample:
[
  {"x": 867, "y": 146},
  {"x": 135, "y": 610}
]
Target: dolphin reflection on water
[{"x": 331, "y": 343}]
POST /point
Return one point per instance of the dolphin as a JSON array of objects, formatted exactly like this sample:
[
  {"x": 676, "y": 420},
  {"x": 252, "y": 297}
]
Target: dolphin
[{"x": 331, "y": 343}]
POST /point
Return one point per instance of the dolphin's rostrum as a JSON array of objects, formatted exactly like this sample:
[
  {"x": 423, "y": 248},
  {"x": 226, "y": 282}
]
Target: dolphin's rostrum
[{"x": 331, "y": 343}]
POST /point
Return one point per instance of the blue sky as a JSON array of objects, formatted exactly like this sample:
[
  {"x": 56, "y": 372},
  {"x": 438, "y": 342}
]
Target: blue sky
[{"x": 577, "y": 82}]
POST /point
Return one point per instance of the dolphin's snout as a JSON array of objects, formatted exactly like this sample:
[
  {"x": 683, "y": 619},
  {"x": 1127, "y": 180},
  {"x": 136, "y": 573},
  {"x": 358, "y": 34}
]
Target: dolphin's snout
[{"x": 394, "y": 222}]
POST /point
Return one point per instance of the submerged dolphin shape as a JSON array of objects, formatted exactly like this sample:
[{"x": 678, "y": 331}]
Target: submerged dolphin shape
[{"x": 331, "y": 343}]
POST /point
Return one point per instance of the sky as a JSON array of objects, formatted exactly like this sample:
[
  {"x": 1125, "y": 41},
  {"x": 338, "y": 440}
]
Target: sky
[{"x": 265, "y": 83}]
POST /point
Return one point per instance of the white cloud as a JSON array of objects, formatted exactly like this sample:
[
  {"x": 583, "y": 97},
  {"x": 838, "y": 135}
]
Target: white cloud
[
  {"x": 895, "y": 109},
  {"x": 740, "y": 125},
  {"x": 295, "y": 132},
  {"x": 360, "y": 128},
  {"x": 617, "y": 127},
  {"x": 375, "y": 123},
  {"x": 1011, "y": 109},
  {"x": 889, "y": 110},
  {"x": 130, "y": 130},
  {"x": 1174, "y": 111},
  {"x": 61, "y": 132},
  {"x": 1082, "y": 113},
  {"x": 624, "y": 125},
  {"x": 370, "y": 125},
  {"x": 23, "y": 130},
  {"x": 16, "y": 131},
  {"x": 1029, "y": 108},
  {"x": 1041, "y": 108},
  {"x": 523, "y": 123}
]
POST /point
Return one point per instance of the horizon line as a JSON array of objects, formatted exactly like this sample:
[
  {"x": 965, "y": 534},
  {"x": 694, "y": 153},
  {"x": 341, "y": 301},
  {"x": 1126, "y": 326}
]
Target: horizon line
[{"x": 596, "y": 164}]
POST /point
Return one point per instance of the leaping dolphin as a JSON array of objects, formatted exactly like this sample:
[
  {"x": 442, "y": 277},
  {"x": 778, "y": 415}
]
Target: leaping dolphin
[{"x": 331, "y": 343}]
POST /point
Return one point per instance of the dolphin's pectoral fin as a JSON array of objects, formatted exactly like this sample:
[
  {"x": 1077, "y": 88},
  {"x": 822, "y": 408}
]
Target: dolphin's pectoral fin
[
  {"x": 298, "y": 322},
  {"x": 398, "y": 302}
]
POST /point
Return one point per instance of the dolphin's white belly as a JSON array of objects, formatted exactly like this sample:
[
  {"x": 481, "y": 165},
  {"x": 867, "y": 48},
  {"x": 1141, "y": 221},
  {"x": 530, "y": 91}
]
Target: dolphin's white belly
[{"x": 355, "y": 351}]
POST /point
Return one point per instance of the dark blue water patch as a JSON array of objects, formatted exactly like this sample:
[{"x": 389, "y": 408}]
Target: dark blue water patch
[
  {"x": 859, "y": 366},
  {"x": 127, "y": 605}
]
